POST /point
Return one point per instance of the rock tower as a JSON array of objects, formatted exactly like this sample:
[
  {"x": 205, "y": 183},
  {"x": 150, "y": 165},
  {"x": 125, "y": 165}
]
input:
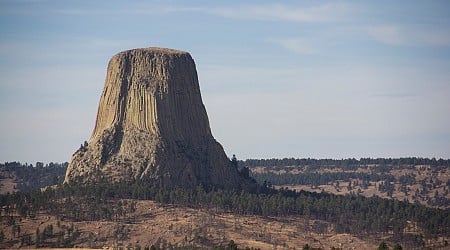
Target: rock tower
[{"x": 152, "y": 125}]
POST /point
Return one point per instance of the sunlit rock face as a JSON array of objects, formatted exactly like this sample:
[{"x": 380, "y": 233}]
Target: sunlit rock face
[{"x": 152, "y": 125}]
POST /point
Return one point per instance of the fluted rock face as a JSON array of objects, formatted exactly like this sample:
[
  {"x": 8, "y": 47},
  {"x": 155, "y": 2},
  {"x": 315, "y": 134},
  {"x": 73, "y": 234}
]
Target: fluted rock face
[{"x": 152, "y": 125}]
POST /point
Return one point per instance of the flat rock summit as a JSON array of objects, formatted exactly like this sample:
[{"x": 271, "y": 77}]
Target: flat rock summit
[{"x": 152, "y": 125}]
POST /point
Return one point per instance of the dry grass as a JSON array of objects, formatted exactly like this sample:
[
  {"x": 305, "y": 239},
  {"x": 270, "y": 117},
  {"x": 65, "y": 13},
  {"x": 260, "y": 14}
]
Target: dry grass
[
  {"x": 421, "y": 172},
  {"x": 179, "y": 226},
  {"x": 7, "y": 183}
]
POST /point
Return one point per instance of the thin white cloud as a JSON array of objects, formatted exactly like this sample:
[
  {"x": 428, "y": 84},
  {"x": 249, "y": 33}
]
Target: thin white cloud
[
  {"x": 297, "y": 45},
  {"x": 262, "y": 12},
  {"x": 436, "y": 38},
  {"x": 387, "y": 35},
  {"x": 280, "y": 12},
  {"x": 411, "y": 36}
]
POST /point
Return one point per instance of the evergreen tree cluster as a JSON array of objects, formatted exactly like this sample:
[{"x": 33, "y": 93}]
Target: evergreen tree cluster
[
  {"x": 31, "y": 177},
  {"x": 349, "y": 163},
  {"x": 349, "y": 214},
  {"x": 317, "y": 179}
]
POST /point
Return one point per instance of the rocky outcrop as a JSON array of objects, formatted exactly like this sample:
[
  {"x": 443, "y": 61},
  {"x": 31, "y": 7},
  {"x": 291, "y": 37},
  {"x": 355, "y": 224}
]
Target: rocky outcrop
[{"x": 152, "y": 125}]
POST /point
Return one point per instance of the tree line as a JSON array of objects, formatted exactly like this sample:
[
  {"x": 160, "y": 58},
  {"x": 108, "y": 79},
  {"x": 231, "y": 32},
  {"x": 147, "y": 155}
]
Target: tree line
[
  {"x": 316, "y": 179},
  {"x": 350, "y": 162}
]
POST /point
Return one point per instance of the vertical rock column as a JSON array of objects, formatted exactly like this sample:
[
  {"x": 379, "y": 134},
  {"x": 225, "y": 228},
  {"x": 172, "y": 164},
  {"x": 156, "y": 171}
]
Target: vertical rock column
[{"x": 152, "y": 125}]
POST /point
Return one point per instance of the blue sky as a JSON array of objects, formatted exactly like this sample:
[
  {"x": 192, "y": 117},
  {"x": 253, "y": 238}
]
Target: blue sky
[{"x": 320, "y": 79}]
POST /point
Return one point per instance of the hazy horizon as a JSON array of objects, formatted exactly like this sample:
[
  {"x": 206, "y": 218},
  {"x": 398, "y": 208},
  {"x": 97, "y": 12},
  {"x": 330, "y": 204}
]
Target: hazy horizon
[{"x": 322, "y": 79}]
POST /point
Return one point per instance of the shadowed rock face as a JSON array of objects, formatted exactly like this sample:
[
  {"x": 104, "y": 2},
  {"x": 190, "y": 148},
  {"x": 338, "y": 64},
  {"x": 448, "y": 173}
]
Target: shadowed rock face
[{"x": 152, "y": 125}]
